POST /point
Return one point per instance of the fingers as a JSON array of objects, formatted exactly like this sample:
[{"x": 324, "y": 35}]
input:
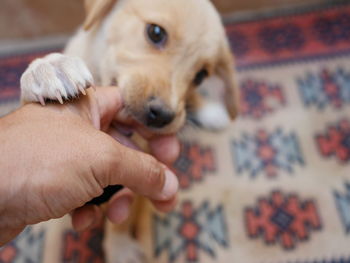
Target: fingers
[
  {"x": 165, "y": 148},
  {"x": 86, "y": 217},
  {"x": 122, "y": 139},
  {"x": 165, "y": 206},
  {"x": 142, "y": 173},
  {"x": 118, "y": 210},
  {"x": 120, "y": 165},
  {"x": 109, "y": 103},
  {"x": 119, "y": 206}
]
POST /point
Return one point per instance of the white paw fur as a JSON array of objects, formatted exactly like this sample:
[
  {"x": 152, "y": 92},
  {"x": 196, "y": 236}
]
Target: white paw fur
[
  {"x": 213, "y": 116},
  {"x": 55, "y": 77}
]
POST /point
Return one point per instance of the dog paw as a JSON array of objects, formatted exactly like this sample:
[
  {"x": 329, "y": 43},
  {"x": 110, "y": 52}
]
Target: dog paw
[
  {"x": 121, "y": 248},
  {"x": 213, "y": 116},
  {"x": 55, "y": 77}
]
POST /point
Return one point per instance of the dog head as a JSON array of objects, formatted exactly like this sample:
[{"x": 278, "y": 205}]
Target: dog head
[{"x": 160, "y": 52}]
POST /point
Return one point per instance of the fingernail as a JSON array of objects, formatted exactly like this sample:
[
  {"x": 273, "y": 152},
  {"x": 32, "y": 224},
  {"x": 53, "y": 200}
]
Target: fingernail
[
  {"x": 119, "y": 210},
  {"x": 171, "y": 185}
]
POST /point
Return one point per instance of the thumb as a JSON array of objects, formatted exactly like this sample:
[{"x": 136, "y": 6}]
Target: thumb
[
  {"x": 109, "y": 102},
  {"x": 139, "y": 171}
]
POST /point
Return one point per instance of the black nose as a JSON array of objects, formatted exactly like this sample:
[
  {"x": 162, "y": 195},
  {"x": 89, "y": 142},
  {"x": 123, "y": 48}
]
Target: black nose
[{"x": 158, "y": 116}]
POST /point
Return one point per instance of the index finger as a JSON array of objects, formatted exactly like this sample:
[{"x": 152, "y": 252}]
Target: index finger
[{"x": 165, "y": 148}]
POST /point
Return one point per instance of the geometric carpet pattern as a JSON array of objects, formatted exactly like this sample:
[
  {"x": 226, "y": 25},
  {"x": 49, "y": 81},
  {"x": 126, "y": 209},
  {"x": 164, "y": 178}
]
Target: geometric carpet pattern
[{"x": 274, "y": 187}]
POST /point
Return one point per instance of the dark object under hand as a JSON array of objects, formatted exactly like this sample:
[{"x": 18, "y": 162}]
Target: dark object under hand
[{"x": 108, "y": 192}]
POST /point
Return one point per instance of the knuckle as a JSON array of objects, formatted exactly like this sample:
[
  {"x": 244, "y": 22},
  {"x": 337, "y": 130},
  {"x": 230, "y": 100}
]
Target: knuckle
[{"x": 154, "y": 173}]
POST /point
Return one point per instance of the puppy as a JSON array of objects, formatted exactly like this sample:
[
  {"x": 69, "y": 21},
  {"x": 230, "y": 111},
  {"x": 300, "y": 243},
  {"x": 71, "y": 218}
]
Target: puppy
[{"x": 165, "y": 56}]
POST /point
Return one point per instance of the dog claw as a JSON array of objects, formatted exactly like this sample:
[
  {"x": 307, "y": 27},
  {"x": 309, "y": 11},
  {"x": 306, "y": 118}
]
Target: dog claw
[
  {"x": 41, "y": 99},
  {"x": 82, "y": 90},
  {"x": 59, "y": 96},
  {"x": 89, "y": 83},
  {"x": 93, "y": 87}
]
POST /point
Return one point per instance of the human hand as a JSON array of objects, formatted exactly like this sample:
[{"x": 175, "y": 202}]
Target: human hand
[{"x": 55, "y": 159}]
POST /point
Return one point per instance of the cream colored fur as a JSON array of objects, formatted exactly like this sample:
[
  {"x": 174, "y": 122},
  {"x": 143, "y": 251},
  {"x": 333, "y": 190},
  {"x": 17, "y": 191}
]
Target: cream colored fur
[{"x": 114, "y": 50}]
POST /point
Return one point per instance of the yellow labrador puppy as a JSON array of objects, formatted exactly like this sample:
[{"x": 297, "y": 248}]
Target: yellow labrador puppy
[{"x": 165, "y": 56}]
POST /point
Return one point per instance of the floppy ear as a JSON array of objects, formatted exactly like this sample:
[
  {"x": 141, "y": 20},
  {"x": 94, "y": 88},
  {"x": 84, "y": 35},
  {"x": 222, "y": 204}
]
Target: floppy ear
[
  {"x": 215, "y": 101},
  {"x": 96, "y": 10},
  {"x": 225, "y": 70}
]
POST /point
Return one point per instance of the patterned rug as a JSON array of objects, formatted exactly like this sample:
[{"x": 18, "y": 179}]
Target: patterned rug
[{"x": 275, "y": 187}]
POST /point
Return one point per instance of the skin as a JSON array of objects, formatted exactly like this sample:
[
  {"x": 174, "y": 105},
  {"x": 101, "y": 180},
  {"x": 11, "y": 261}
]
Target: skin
[{"x": 56, "y": 158}]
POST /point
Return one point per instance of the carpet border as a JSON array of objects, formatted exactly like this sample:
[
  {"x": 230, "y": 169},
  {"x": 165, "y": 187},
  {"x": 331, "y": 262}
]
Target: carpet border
[{"x": 241, "y": 17}]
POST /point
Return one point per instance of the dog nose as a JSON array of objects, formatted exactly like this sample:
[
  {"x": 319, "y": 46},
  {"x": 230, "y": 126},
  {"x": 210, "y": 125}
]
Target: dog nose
[{"x": 158, "y": 115}]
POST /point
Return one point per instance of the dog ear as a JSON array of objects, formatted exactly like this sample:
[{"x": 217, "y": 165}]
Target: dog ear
[
  {"x": 215, "y": 101},
  {"x": 96, "y": 10},
  {"x": 225, "y": 70}
]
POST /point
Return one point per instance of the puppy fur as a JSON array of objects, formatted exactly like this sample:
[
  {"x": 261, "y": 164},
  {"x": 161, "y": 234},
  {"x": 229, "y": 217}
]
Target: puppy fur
[{"x": 112, "y": 48}]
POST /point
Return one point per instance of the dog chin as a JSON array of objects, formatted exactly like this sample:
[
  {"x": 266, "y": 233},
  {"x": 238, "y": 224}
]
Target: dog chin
[{"x": 166, "y": 130}]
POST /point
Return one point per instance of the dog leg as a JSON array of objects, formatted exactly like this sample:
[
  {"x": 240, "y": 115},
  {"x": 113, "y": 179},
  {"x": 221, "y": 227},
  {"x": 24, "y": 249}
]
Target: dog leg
[
  {"x": 120, "y": 247},
  {"x": 55, "y": 77},
  {"x": 121, "y": 242}
]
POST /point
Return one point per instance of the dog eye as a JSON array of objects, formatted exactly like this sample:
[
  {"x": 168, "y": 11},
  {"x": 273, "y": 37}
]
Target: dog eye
[
  {"x": 200, "y": 76},
  {"x": 156, "y": 34}
]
